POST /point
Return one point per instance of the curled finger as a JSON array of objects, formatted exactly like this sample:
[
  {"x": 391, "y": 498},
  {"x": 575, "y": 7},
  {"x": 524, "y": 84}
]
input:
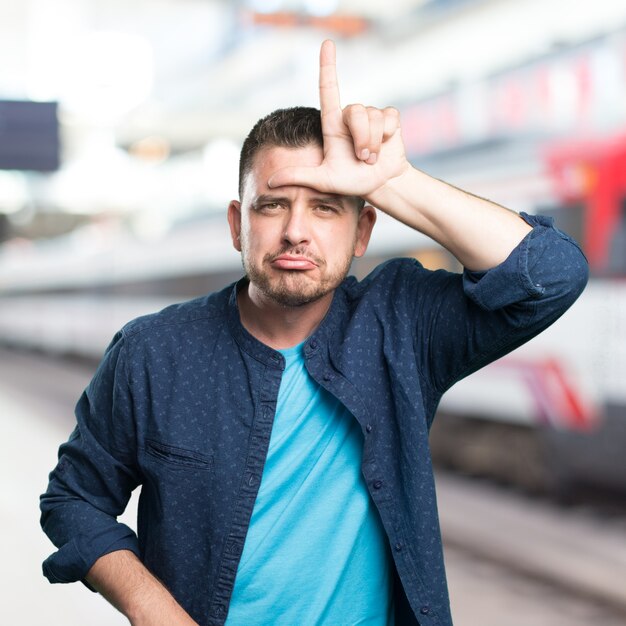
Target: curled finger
[
  {"x": 391, "y": 124},
  {"x": 377, "y": 124},
  {"x": 356, "y": 118}
]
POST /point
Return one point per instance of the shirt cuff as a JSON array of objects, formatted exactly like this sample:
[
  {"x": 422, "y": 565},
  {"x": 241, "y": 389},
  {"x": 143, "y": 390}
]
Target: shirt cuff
[
  {"x": 511, "y": 281},
  {"x": 72, "y": 561}
]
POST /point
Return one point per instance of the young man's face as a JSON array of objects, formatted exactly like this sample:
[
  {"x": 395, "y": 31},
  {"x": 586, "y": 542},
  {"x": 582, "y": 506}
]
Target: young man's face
[{"x": 296, "y": 243}]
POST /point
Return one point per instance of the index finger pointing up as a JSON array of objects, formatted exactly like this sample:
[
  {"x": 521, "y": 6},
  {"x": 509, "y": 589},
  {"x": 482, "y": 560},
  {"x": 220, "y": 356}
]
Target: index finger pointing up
[{"x": 329, "y": 89}]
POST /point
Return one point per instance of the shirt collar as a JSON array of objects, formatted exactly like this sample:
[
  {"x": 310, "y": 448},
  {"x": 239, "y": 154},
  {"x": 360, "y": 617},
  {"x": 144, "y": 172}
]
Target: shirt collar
[{"x": 269, "y": 356}]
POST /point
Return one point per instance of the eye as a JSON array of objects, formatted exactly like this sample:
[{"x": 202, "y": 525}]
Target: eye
[
  {"x": 269, "y": 207},
  {"x": 325, "y": 209}
]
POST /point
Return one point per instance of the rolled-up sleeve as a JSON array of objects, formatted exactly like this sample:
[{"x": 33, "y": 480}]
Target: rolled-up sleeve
[
  {"x": 546, "y": 258},
  {"x": 469, "y": 320},
  {"x": 95, "y": 475}
]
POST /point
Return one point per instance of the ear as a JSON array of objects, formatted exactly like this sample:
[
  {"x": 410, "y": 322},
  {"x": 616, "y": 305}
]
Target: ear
[
  {"x": 234, "y": 221},
  {"x": 367, "y": 219}
]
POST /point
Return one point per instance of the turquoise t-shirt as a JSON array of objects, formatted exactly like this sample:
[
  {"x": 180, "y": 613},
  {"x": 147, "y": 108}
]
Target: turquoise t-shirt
[{"x": 315, "y": 552}]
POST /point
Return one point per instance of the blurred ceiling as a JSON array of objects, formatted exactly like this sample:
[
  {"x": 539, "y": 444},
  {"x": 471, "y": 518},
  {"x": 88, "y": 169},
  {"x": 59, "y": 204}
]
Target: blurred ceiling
[
  {"x": 188, "y": 69},
  {"x": 178, "y": 83},
  {"x": 191, "y": 70}
]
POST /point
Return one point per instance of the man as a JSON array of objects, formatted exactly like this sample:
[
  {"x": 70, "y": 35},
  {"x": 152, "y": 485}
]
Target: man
[{"x": 279, "y": 428}]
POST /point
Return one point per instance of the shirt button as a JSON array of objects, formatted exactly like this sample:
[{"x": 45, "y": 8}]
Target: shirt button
[
  {"x": 313, "y": 344},
  {"x": 368, "y": 428},
  {"x": 327, "y": 377},
  {"x": 219, "y": 609},
  {"x": 398, "y": 546},
  {"x": 378, "y": 484},
  {"x": 425, "y": 610}
]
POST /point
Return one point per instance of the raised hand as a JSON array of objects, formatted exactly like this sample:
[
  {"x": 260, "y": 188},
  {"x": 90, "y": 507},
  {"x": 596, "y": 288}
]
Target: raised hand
[
  {"x": 363, "y": 147},
  {"x": 364, "y": 156}
]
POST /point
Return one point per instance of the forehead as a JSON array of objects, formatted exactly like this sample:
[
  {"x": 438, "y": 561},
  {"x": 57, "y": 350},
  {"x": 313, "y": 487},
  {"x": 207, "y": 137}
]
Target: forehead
[{"x": 270, "y": 159}]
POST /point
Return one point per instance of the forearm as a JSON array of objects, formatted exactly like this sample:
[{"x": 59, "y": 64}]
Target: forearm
[
  {"x": 129, "y": 586},
  {"x": 479, "y": 233}
]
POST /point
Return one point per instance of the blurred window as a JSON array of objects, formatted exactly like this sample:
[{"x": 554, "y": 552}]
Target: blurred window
[
  {"x": 617, "y": 245},
  {"x": 29, "y": 136},
  {"x": 568, "y": 218}
]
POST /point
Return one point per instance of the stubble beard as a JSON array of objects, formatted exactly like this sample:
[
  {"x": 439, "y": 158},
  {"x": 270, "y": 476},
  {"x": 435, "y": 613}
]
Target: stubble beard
[{"x": 293, "y": 288}]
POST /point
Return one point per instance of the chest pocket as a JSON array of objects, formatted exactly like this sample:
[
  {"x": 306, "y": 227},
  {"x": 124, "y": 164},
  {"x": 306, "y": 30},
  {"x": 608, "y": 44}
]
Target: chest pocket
[{"x": 175, "y": 457}]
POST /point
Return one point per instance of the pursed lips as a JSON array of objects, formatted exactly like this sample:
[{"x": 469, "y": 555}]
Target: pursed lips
[{"x": 293, "y": 262}]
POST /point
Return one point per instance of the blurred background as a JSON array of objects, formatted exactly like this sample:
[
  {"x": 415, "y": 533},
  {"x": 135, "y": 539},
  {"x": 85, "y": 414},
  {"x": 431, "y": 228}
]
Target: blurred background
[{"x": 120, "y": 128}]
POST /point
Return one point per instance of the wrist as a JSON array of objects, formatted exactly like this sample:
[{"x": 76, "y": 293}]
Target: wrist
[
  {"x": 151, "y": 604},
  {"x": 394, "y": 192},
  {"x": 159, "y": 610}
]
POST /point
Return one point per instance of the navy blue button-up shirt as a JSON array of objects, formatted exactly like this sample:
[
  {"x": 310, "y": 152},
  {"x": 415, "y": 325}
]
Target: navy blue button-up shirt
[{"x": 183, "y": 404}]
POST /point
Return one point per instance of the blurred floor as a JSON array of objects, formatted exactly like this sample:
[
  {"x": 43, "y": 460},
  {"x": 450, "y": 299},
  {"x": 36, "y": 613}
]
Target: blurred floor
[
  {"x": 30, "y": 438},
  {"x": 483, "y": 593}
]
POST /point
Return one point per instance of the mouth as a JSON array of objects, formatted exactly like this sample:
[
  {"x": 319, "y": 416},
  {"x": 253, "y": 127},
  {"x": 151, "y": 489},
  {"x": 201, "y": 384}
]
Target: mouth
[{"x": 293, "y": 262}]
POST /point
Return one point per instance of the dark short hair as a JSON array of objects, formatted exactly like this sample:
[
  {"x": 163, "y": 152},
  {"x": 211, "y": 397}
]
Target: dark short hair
[{"x": 295, "y": 127}]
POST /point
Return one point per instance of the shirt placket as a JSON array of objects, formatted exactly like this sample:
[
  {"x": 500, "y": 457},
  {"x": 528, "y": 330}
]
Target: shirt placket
[{"x": 249, "y": 488}]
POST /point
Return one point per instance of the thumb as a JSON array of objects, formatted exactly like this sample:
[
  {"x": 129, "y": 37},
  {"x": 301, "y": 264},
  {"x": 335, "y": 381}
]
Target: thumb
[{"x": 314, "y": 177}]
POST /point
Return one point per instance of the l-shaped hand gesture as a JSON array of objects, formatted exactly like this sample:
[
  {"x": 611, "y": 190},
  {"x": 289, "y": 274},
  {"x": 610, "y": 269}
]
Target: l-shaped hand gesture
[{"x": 363, "y": 147}]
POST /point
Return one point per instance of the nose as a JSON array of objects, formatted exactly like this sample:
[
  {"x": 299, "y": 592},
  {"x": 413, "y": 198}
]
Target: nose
[{"x": 297, "y": 228}]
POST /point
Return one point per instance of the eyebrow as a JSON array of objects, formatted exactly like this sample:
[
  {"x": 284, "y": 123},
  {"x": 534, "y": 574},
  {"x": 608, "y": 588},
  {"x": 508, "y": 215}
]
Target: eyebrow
[
  {"x": 332, "y": 199},
  {"x": 263, "y": 198}
]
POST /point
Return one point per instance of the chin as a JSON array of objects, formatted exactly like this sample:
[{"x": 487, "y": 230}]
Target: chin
[
  {"x": 293, "y": 288},
  {"x": 294, "y": 297}
]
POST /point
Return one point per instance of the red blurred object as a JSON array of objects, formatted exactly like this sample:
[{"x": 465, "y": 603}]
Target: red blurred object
[
  {"x": 592, "y": 171},
  {"x": 343, "y": 25}
]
